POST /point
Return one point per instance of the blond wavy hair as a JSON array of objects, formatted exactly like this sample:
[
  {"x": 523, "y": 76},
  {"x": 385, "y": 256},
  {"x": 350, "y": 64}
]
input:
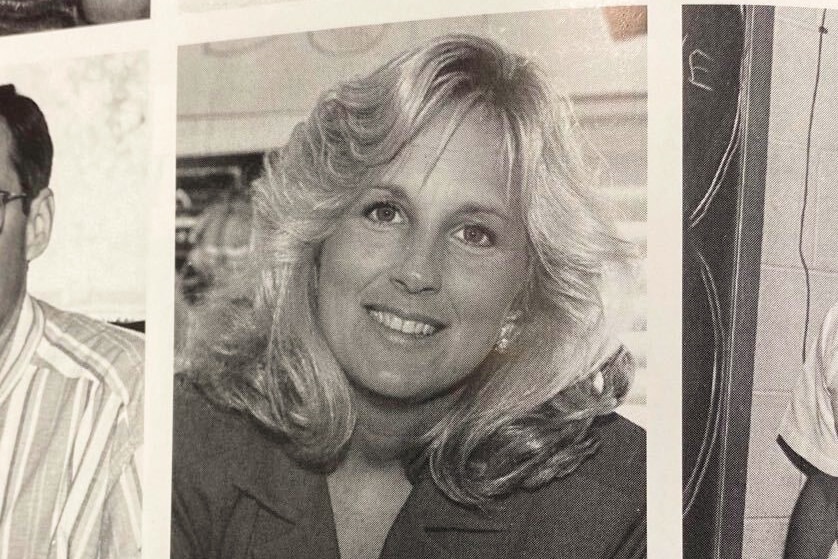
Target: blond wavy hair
[{"x": 526, "y": 420}]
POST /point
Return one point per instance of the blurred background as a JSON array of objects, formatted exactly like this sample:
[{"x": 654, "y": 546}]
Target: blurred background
[
  {"x": 238, "y": 99},
  {"x": 97, "y": 112}
]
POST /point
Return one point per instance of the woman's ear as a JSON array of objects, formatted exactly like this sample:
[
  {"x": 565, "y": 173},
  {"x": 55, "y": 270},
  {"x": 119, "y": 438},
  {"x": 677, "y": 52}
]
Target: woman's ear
[{"x": 39, "y": 224}]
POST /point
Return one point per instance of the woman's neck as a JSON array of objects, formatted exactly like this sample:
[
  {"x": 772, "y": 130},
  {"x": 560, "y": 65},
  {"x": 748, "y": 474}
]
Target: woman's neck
[
  {"x": 370, "y": 486},
  {"x": 386, "y": 430}
]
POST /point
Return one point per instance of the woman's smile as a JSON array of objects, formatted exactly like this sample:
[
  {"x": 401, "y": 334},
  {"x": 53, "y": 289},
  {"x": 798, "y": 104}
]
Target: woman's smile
[{"x": 398, "y": 322}]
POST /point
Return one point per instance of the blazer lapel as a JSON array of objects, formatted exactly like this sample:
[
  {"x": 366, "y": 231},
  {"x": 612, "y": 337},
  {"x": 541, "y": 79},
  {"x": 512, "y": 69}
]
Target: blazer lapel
[
  {"x": 430, "y": 526},
  {"x": 285, "y": 510}
]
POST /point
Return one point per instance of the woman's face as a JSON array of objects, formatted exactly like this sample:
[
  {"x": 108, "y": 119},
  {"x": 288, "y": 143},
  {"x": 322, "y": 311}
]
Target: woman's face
[{"x": 419, "y": 276}]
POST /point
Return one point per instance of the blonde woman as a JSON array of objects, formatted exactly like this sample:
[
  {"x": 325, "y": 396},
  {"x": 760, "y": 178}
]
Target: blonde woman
[{"x": 426, "y": 370}]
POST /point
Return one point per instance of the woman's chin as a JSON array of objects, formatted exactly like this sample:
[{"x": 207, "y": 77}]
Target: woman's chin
[
  {"x": 388, "y": 389},
  {"x": 393, "y": 419},
  {"x": 400, "y": 392}
]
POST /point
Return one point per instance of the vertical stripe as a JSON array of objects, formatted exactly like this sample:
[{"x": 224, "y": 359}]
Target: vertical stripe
[
  {"x": 89, "y": 519},
  {"x": 85, "y": 429},
  {"x": 132, "y": 502},
  {"x": 66, "y": 469},
  {"x": 23, "y": 452},
  {"x": 90, "y": 464},
  {"x": 31, "y": 433},
  {"x": 18, "y": 364},
  {"x": 8, "y": 441}
]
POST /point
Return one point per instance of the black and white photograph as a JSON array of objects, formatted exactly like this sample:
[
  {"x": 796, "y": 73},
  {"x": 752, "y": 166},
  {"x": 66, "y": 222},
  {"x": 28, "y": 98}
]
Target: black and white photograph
[
  {"x": 760, "y": 284},
  {"x": 26, "y": 16},
  {"x": 410, "y": 290},
  {"x": 74, "y": 155},
  {"x": 422, "y": 279}
]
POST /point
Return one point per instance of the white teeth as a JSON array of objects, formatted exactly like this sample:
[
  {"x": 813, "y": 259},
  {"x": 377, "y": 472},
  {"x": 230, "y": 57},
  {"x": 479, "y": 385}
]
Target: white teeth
[{"x": 399, "y": 324}]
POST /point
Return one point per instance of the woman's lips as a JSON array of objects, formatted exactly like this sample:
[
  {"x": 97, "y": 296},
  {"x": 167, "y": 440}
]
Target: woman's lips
[{"x": 404, "y": 324}]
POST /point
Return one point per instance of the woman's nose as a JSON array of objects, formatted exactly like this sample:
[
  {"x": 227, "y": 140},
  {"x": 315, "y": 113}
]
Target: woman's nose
[{"x": 418, "y": 272}]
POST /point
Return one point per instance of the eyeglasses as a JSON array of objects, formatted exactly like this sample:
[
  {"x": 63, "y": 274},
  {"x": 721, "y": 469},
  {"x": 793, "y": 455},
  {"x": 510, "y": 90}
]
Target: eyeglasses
[{"x": 5, "y": 198}]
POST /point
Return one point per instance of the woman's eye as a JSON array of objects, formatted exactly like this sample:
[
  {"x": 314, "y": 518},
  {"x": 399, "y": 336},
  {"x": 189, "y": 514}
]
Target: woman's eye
[
  {"x": 384, "y": 213},
  {"x": 475, "y": 235}
]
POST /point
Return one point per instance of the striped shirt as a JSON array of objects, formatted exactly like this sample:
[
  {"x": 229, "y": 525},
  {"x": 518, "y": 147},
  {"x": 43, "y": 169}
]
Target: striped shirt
[{"x": 70, "y": 438}]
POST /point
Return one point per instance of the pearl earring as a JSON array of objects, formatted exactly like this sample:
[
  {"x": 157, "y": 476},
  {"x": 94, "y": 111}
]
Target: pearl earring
[{"x": 507, "y": 333}]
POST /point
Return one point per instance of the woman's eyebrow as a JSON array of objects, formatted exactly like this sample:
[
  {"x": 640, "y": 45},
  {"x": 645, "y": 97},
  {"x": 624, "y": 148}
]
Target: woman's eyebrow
[
  {"x": 483, "y": 209},
  {"x": 392, "y": 189}
]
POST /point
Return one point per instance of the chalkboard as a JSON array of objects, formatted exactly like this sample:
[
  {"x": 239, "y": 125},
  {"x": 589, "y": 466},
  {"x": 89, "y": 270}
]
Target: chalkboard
[{"x": 726, "y": 84}]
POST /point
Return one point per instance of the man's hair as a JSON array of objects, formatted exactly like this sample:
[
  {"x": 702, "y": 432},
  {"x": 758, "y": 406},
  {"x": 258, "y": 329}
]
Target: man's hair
[{"x": 31, "y": 148}]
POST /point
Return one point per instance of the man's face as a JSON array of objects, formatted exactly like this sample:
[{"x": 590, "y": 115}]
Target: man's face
[{"x": 13, "y": 262}]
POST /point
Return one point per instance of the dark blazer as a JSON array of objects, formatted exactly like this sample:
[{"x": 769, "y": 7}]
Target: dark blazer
[{"x": 235, "y": 494}]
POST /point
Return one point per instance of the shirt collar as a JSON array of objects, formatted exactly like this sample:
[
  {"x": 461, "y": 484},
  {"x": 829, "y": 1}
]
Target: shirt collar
[{"x": 22, "y": 346}]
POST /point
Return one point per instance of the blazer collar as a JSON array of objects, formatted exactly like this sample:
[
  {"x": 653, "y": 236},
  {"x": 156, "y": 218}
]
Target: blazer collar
[
  {"x": 275, "y": 481},
  {"x": 22, "y": 345},
  {"x": 430, "y": 526},
  {"x": 294, "y": 515}
]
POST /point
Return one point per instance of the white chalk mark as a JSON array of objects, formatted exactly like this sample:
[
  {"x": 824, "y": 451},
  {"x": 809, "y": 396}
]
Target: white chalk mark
[{"x": 696, "y": 68}]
